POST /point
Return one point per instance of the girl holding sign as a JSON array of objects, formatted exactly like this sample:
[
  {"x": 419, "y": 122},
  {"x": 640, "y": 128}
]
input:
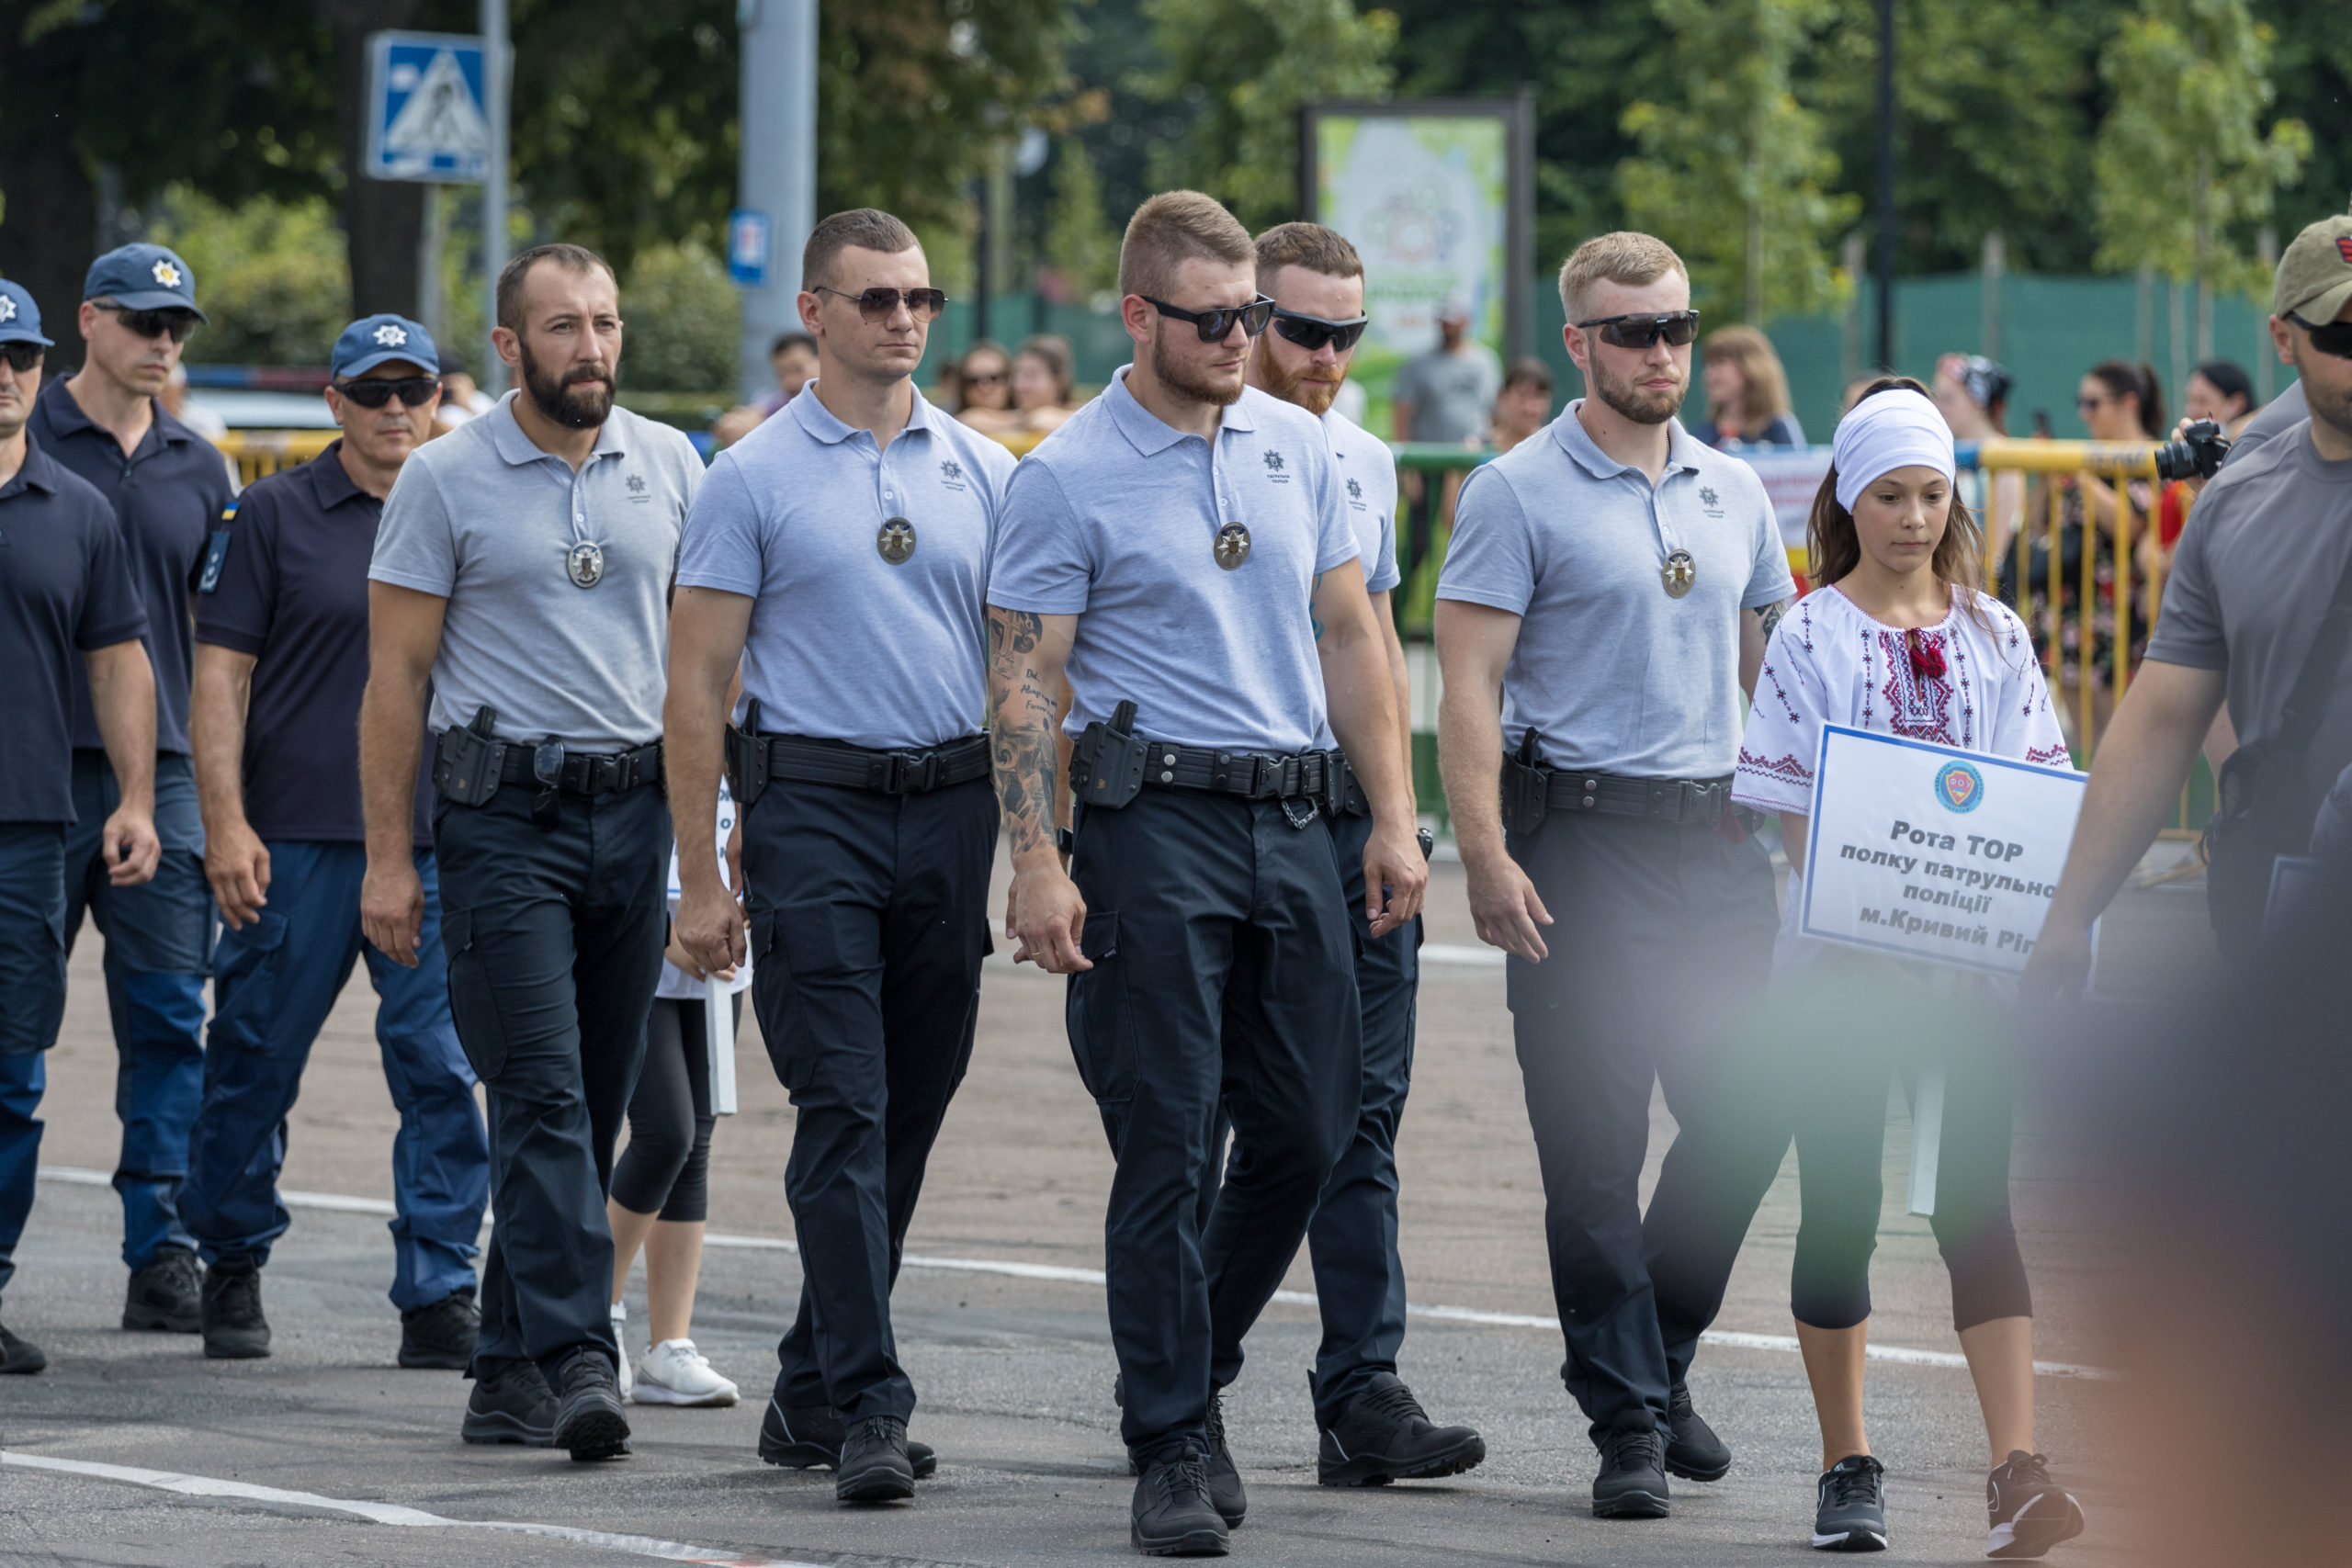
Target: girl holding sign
[
  {"x": 1899, "y": 640},
  {"x": 660, "y": 1186}
]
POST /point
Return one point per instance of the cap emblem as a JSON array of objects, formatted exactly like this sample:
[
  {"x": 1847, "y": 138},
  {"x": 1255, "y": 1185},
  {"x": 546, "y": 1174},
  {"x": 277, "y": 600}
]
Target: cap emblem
[
  {"x": 166, "y": 274},
  {"x": 2344, "y": 246},
  {"x": 391, "y": 336},
  {"x": 7, "y": 309}
]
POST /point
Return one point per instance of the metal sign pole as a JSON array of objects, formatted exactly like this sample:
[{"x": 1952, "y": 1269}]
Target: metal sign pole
[
  {"x": 497, "y": 77},
  {"x": 776, "y": 175}
]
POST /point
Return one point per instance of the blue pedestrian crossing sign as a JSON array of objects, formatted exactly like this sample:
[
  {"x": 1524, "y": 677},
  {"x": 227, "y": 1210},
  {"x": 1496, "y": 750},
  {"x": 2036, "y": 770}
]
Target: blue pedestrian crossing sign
[{"x": 425, "y": 108}]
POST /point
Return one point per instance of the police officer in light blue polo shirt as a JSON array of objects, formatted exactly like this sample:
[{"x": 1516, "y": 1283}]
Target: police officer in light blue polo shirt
[
  {"x": 170, "y": 492},
  {"x": 1175, "y": 549},
  {"x": 1605, "y": 597},
  {"x": 281, "y": 660},
  {"x": 839, "y": 554},
  {"x": 67, "y": 607}
]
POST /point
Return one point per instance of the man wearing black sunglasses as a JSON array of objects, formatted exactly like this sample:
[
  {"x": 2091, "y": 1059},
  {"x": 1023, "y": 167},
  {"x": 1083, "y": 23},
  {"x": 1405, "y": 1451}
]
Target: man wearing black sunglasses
[
  {"x": 1182, "y": 550},
  {"x": 1371, "y": 1429},
  {"x": 170, "y": 492},
  {"x": 281, "y": 660}
]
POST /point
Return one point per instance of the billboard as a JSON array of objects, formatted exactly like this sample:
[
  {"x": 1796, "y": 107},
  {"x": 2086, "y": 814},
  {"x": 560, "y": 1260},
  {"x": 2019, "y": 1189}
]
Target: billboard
[{"x": 1437, "y": 197}]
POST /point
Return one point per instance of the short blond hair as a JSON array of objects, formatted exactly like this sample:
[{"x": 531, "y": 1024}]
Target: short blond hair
[
  {"x": 1766, "y": 384},
  {"x": 1170, "y": 229},
  {"x": 1625, "y": 257}
]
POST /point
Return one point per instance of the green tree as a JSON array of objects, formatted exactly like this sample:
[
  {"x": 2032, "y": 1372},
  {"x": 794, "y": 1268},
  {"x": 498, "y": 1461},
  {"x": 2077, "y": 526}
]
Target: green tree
[
  {"x": 1733, "y": 173},
  {"x": 277, "y": 284},
  {"x": 2185, "y": 169},
  {"x": 1080, "y": 245},
  {"x": 1250, "y": 65},
  {"x": 682, "y": 318}
]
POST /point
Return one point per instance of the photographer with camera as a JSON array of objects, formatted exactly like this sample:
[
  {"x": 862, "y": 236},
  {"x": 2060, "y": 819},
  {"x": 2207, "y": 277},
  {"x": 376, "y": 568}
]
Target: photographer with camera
[{"x": 2258, "y": 610}]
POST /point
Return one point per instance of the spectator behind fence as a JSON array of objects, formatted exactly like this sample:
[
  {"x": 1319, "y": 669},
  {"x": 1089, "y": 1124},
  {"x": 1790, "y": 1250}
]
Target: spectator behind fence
[
  {"x": 2221, "y": 390},
  {"x": 461, "y": 399},
  {"x": 1444, "y": 395},
  {"x": 2254, "y": 612},
  {"x": 1973, "y": 394},
  {"x": 985, "y": 381},
  {"x": 792, "y": 357},
  {"x": 1523, "y": 407},
  {"x": 1748, "y": 392},
  {"x": 1043, "y": 379}
]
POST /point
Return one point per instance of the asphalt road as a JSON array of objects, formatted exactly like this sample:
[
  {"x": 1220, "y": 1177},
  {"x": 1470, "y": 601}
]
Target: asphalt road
[{"x": 331, "y": 1454}]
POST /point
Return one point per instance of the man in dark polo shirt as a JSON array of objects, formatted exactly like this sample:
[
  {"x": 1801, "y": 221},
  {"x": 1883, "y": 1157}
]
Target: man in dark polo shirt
[
  {"x": 64, "y": 588},
  {"x": 281, "y": 660},
  {"x": 169, "y": 492}
]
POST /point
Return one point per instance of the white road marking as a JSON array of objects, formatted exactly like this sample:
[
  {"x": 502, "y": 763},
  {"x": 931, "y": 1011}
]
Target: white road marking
[
  {"x": 1468, "y": 957},
  {"x": 1729, "y": 1338},
  {"x": 390, "y": 1513}
]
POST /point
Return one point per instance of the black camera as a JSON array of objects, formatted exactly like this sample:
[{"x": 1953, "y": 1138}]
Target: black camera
[{"x": 2196, "y": 455}]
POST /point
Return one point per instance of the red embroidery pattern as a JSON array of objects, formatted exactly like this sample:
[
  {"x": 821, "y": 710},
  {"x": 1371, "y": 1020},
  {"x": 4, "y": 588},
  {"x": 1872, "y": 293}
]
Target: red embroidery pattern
[
  {"x": 1918, "y": 704},
  {"x": 2049, "y": 754},
  {"x": 1787, "y": 768}
]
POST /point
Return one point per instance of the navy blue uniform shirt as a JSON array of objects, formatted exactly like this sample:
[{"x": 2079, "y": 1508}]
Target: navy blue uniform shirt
[
  {"x": 292, "y": 592},
  {"x": 168, "y": 498},
  {"x": 65, "y": 588}
]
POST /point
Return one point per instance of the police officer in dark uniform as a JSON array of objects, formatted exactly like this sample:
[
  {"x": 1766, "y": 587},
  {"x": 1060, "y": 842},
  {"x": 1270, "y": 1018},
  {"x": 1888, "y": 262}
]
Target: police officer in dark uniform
[
  {"x": 523, "y": 568},
  {"x": 170, "y": 493},
  {"x": 1175, "y": 549},
  {"x": 65, "y": 589},
  {"x": 856, "y": 522},
  {"x": 281, "y": 660}
]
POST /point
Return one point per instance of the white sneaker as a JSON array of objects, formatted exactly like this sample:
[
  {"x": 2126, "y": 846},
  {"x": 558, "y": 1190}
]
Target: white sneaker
[
  {"x": 620, "y": 1338},
  {"x": 673, "y": 1373}
]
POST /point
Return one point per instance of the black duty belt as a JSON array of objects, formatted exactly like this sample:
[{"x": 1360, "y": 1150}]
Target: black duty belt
[
  {"x": 800, "y": 760},
  {"x": 1678, "y": 801},
  {"x": 1318, "y": 775},
  {"x": 583, "y": 773}
]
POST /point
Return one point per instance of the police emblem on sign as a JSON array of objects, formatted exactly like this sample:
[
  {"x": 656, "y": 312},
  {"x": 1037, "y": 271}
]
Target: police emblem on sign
[
  {"x": 1959, "y": 787},
  {"x": 896, "y": 541},
  {"x": 585, "y": 565},
  {"x": 1233, "y": 543}
]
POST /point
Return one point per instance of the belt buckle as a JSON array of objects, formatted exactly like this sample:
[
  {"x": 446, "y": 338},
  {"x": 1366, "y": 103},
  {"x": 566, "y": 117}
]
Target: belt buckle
[
  {"x": 892, "y": 778},
  {"x": 930, "y": 774},
  {"x": 604, "y": 775}
]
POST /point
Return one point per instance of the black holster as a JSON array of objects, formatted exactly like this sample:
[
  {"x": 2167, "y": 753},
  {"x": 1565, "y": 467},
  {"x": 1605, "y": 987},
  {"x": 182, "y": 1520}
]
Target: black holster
[
  {"x": 1525, "y": 782},
  {"x": 466, "y": 762},
  {"x": 1108, "y": 761},
  {"x": 747, "y": 758}
]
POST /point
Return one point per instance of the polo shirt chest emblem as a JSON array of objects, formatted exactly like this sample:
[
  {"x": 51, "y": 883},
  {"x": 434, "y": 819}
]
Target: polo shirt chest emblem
[
  {"x": 951, "y": 473},
  {"x": 1233, "y": 543},
  {"x": 584, "y": 564},
  {"x": 896, "y": 541},
  {"x": 637, "y": 489},
  {"x": 1677, "y": 572},
  {"x": 1274, "y": 470}
]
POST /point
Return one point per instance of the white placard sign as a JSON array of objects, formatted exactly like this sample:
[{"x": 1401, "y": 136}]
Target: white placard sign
[{"x": 1934, "y": 853}]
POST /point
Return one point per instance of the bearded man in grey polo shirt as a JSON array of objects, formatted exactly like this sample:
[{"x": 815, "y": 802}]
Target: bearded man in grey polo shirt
[
  {"x": 523, "y": 566},
  {"x": 1609, "y": 587}
]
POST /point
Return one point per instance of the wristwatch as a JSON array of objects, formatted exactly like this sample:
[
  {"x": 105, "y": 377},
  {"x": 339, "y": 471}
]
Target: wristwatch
[{"x": 1065, "y": 840}]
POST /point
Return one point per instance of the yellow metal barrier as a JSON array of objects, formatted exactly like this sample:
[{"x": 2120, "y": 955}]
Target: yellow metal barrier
[{"x": 260, "y": 452}]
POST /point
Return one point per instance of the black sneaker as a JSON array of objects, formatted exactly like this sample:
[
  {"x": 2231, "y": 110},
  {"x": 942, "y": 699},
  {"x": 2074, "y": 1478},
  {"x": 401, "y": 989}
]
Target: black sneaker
[
  {"x": 166, "y": 1295},
  {"x": 1384, "y": 1434},
  {"x": 17, "y": 1356},
  {"x": 512, "y": 1405},
  {"x": 1224, "y": 1477},
  {"x": 1693, "y": 1449},
  {"x": 234, "y": 1329},
  {"x": 1851, "y": 1516},
  {"x": 873, "y": 1466},
  {"x": 1173, "y": 1515},
  {"x": 588, "y": 1419},
  {"x": 803, "y": 1436},
  {"x": 1631, "y": 1483},
  {"x": 2029, "y": 1512},
  {"x": 442, "y": 1334}
]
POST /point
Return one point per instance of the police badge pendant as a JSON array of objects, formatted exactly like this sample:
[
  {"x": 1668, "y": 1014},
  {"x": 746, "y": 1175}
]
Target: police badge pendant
[
  {"x": 1232, "y": 546},
  {"x": 896, "y": 541},
  {"x": 1677, "y": 572},
  {"x": 586, "y": 564}
]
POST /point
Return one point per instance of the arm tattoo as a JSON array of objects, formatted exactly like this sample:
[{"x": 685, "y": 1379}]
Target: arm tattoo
[
  {"x": 1770, "y": 615},
  {"x": 1021, "y": 735}
]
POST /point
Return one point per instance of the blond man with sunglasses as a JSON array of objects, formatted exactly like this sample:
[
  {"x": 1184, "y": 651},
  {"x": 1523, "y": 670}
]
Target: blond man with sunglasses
[{"x": 169, "y": 490}]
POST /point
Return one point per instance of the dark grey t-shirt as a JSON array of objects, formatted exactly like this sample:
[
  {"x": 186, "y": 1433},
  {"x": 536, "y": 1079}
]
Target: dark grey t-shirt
[
  {"x": 1451, "y": 394},
  {"x": 2257, "y": 564}
]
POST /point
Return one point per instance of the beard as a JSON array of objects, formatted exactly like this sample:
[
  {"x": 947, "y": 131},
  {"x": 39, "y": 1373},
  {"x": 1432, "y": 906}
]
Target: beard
[
  {"x": 1187, "y": 382},
  {"x": 1315, "y": 397},
  {"x": 2328, "y": 405},
  {"x": 1635, "y": 403},
  {"x": 580, "y": 400}
]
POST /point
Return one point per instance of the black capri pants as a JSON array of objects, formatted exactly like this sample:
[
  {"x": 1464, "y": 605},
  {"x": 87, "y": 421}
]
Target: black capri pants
[{"x": 665, "y": 1169}]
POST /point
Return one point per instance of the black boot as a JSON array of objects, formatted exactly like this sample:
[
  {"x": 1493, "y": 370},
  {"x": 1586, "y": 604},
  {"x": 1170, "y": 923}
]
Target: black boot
[
  {"x": 511, "y": 1403},
  {"x": 1384, "y": 1434},
  {"x": 1224, "y": 1477},
  {"x": 1171, "y": 1515},
  {"x": 166, "y": 1294},
  {"x": 588, "y": 1418},
  {"x": 873, "y": 1466},
  {"x": 442, "y": 1334},
  {"x": 805, "y": 1437},
  {"x": 1631, "y": 1483},
  {"x": 17, "y": 1356},
  {"x": 234, "y": 1328},
  {"x": 1693, "y": 1449}
]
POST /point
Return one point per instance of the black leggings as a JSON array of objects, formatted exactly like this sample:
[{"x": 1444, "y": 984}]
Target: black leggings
[{"x": 665, "y": 1169}]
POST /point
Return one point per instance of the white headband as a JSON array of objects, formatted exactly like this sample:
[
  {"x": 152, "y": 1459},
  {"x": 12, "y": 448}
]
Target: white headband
[{"x": 1895, "y": 429}]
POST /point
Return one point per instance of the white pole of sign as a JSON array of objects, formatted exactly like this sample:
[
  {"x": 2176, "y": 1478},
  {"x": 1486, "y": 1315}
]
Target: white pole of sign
[{"x": 718, "y": 1014}]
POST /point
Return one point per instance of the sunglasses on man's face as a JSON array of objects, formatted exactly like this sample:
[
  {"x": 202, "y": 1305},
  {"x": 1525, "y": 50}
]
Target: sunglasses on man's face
[
  {"x": 2329, "y": 337},
  {"x": 876, "y": 305},
  {"x": 1311, "y": 333},
  {"x": 413, "y": 391},
  {"x": 155, "y": 323},
  {"x": 1677, "y": 327},
  {"x": 1216, "y": 325},
  {"x": 22, "y": 357}
]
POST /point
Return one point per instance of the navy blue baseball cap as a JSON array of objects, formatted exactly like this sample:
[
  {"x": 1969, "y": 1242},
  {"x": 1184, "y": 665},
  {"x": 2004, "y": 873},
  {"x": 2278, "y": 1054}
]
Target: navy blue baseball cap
[
  {"x": 20, "y": 316},
  {"x": 378, "y": 340},
  {"x": 143, "y": 277}
]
